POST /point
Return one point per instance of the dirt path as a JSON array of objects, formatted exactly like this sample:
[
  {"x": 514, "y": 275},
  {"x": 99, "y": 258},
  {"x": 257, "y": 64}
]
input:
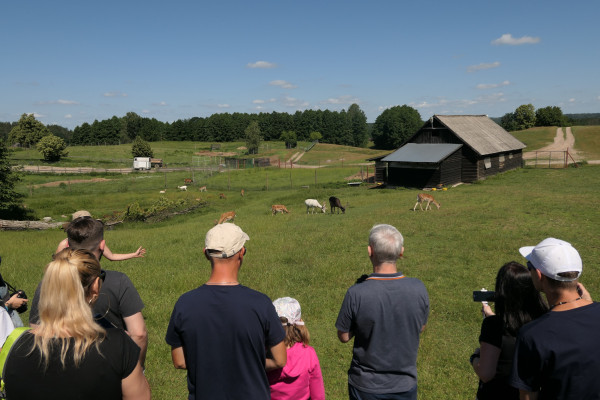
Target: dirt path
[
  {"x": 561, "y": 143},
  {"x": 57, "y": 183}
]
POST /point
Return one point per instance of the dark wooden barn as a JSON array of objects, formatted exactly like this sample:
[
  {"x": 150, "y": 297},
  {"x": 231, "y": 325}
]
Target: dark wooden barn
[{"x": 450, "y": 149}]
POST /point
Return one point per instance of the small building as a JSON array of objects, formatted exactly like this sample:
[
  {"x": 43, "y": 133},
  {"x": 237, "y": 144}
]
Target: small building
[
  {"x": 141, "y": 163},
  {"x": 450, "y": 149}
]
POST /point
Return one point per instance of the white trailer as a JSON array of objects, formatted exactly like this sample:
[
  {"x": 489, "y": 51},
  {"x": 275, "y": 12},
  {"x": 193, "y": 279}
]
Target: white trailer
[{"x": 142, "y": 163}]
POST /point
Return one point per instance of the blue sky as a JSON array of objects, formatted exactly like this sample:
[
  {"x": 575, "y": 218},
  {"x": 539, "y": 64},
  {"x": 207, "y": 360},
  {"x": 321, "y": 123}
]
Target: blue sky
[{"x": 71, "y": 62}]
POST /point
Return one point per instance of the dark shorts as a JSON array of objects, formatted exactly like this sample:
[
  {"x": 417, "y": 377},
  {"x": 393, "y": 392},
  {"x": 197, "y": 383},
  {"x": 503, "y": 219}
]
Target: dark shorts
[{"x": 355, "y": 394}]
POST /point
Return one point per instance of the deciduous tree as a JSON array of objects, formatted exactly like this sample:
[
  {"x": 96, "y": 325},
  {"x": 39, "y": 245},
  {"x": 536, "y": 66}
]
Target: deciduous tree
[
  {"x": 28, "y": 131},
  {"x": 524, "y": 116},
  {"x": 549, "y": 116},
  {"x": 290, "y": 138},
  {"x": 395, "y": 125},
  {"x": 358, "y": 126},
  {"x": 52, "y": 148},
  {"x": 253, "y": 137}
]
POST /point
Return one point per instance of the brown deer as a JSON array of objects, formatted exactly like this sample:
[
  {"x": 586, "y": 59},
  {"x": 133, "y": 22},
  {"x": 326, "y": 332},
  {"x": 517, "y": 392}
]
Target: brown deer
[
  {"x": 187, "y": 181},
  {"x": 202, "y": 189},
  {"x": 275, "y": 208},
  {"x": 222, "y": 196},
  {"x": 242, "y": 192},
  {"x": 226, "y": 216},
  {"x": 421, "y": 197}
]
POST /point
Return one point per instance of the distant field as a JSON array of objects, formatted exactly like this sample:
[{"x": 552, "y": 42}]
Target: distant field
[
  {"x": 315, "y": 258},
  {"x": 587, "y": 139}
]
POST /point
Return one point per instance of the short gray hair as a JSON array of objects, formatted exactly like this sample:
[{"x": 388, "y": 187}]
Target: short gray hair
[{"x": 386, "y": 243}]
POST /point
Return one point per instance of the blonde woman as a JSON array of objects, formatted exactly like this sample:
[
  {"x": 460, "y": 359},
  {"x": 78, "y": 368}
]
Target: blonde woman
[{"x": 68, "y": 355}]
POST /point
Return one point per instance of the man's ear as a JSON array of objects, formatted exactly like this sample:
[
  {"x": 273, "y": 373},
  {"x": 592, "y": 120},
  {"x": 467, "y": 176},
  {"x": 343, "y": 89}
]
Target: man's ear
[
  {"x": 401, "y": 252},
  {"x": 369, "y": 250},
  {"x": 102, "y": 245},
  {"x": 95, "y": 288}
]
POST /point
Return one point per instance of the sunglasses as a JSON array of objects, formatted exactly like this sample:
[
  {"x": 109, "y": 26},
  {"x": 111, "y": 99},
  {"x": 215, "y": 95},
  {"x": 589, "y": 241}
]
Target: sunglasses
[
  {"x": 102, "y": 275},
  {"x": 530, "y": 266}
]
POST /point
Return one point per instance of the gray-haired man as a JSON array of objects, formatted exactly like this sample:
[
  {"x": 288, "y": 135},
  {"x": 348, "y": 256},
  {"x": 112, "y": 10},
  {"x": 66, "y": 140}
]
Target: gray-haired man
[{"x": 385, "y": 313}]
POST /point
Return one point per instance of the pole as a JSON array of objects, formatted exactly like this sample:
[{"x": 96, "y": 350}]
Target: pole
[
  {"x": 291, "y": 183},
  {"x": 267, "y": 181}
]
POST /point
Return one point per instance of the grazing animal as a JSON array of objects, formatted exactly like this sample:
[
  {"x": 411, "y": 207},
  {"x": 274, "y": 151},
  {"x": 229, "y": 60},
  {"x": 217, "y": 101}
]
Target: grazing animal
[
  {"x": 163, "y": 191},
  {"x": 203, "y": 189},
  {"x": 184, "y": 188},
  {"x": 334, "y": 202},
  {"x": 421, "y": 197},
  {"x": 242, "y": 192},
  {"x": 187, "y": 181},
  {"x": 222, "y": 196},
  {"x": 226, "y": 216},
  {"x": 275, "y": 208},
  {"x": 312, "y": 204}
]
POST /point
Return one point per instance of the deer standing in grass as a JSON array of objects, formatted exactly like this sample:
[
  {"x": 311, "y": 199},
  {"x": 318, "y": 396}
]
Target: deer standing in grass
[
  {"x": 203, "y": 189},
  {"x": 226, "y": 216},
  {"x": 312, "y": 204},
  {"x": 276, "y": 208},
  {"x": 422, "y": 197},
  {"x": 242, "y": 192}
]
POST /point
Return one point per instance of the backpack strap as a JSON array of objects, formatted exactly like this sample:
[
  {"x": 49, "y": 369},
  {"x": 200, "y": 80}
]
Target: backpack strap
[{"x": 6, "y": 347}]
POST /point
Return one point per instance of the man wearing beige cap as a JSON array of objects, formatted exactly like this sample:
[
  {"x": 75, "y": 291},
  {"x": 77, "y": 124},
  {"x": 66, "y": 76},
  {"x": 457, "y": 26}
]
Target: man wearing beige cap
[
  {"x": 557, "y": 356},
  {"x": 224, "y": 334}
]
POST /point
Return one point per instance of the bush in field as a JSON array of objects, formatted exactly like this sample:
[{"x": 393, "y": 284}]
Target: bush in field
[
  {"x": 28, "y": 131},
  {"x": 52, "y": 148},
  {"x": 141, "y": 148}
]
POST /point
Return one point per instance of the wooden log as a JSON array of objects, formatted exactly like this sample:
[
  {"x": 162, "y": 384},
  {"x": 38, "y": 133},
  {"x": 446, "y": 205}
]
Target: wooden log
[{"x": 7, "y": 225}]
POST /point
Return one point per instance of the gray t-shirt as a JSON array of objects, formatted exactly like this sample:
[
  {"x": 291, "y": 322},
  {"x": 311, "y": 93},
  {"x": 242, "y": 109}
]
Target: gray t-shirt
[
  {"x": 386, "y": 313},
  {"x": 118, "y": 299}
]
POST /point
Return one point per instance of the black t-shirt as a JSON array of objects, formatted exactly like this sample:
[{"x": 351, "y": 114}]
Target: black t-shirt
[
  {"x": 224, "y": 332},
  {"x": 559, "y": 356},
  {"x": 98, "y": 376},
  {"x": 498, "y": 388},
  {"x": 118, "y": 299}
]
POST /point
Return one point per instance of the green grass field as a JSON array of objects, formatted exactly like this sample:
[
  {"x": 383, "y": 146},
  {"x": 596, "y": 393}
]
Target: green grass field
[{"x": 315, "y": 258}]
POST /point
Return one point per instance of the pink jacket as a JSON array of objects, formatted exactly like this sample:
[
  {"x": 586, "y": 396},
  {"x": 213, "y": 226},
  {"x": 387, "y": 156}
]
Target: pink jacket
[{"x": 301, "y": 377}]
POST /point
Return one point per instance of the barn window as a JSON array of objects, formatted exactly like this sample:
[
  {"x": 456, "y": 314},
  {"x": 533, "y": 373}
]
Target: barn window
[
  {"x": 487, "y": 162},
  {"x": 510, "y": 155},
  {"x": 501, "y": 158}
]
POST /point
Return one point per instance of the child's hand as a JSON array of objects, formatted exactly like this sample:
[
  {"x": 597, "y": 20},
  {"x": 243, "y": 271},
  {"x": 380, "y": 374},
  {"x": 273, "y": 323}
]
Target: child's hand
[{"x": 140, "y": 252}]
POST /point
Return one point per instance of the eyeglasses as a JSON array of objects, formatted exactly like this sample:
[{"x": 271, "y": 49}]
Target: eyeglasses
[
  {"x": 102, "y": 275},
  {"x": 530, "y": 266}
]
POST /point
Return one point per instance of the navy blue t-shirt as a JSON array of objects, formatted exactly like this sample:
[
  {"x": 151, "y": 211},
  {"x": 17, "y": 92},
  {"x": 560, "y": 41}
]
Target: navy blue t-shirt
[
  {"x": 224, "y": 332},
  {"x": 559, "y": 356}
]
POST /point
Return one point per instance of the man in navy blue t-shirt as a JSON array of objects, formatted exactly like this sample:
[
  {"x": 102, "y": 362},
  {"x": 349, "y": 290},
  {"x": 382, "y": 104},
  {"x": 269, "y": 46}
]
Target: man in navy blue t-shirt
[
  {"x": 557, "y": 355},
  {"x": 226, "y": 335}
]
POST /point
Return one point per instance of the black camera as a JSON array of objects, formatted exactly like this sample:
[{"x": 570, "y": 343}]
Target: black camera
[
  {"x": 483, "y": 295},
  {"x": 21, "y": 295}
]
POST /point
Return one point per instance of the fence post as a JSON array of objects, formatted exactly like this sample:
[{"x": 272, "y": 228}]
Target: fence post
[
  {"x": 267, "y": 181},
  {"x": 291, "y": 183}
]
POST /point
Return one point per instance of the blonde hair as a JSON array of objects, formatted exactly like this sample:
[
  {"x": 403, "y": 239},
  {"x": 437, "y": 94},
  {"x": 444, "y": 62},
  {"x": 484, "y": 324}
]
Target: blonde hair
[
  {"x": 294, "y": 333},
  {"x": 64, "y": 309}
]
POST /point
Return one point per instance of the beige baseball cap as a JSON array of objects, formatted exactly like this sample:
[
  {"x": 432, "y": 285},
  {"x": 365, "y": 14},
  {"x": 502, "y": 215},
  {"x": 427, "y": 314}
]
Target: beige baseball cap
[
  {"x": 225, "y": 240},
  {"x": 81, "y": 213}
]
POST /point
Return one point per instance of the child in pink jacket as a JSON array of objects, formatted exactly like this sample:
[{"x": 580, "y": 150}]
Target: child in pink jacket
[{"x": 301, "y": 377}]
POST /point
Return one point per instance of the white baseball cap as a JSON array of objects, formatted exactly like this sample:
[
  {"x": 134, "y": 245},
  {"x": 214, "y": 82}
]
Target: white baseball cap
[
  {"x": 225, "y": 240},
  {"x": 290, "y": 309},
  {"x": 553, "y": 256}
]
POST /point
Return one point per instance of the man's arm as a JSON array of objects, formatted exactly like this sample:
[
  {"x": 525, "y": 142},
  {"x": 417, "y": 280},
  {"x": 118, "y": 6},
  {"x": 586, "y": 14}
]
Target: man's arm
[
  {"x": 109, "y": 255},
  {"x": 178, "y": 357},
  {"x": 276, "y": 357},
  {"x": 345, "y": 336},
  {"x": 525, "y": 395},
  {"x": 136, "y": 328}
]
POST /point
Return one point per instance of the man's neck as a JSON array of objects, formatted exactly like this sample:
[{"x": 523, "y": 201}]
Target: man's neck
[
  {"x": 223, "y": 273},
  {"x": 563, "y": 300},
  {"x": 385, "y": 268}
]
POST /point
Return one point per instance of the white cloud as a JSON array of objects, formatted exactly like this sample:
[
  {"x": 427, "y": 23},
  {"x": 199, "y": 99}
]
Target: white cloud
[
  {"x": 340, "y": 100},
  {"x": 115, "y": 94},
  {"x": 36, "y": 115},
  {"x": 68, "y": 116},
  {"x": 283, "y": 84},
  {"x": 223, "y": 105},
  {"x": 492, "y": 85},
  {"x": 293, "y": 102},
  {"x": 67, "y": 102},
  {"x": 483, "y": 66},
  {"x": 160, "y": 104},
  {"x": 571, "y": 100},
  {"x": 261, "y": 64},
  {"x": 61, "y": 102},
  {"x": 145, "y": 111},
  {"x": 508, "y": 39},
  {"x": 258, "y": 101}
]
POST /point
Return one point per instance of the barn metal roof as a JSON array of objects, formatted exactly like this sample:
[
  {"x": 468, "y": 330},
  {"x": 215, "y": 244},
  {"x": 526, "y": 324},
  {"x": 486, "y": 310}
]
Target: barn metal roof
[
  {"x": 481, "y": 133},
  {"x": 422, "y": 152}
]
